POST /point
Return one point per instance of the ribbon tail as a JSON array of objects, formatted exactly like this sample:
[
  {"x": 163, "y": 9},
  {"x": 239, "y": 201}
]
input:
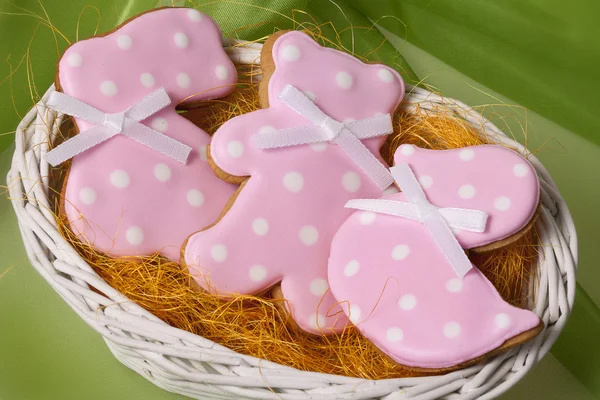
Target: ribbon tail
[
  {"x": 149, "y": 105},
  {"x": 465, "y": 219},
  {"x": 367, "y": 128},
  {"x": 77, "y": 144},
  {"x": 382, "y": 206},
  {"x": 408, "y": 183},
  {"x": 448, "y": 244},
  {"x": 71, "y": 106},
  {"x": 157, "y": 141},
  {"x": 364, "y": 159},
  {"x": 298, "y": 102},
  {"x": 293, "y": 136}
]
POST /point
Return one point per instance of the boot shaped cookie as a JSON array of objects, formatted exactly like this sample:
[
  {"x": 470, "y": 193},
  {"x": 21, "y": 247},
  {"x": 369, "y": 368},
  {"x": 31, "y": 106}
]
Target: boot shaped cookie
[{"x": 401, "y": 269}]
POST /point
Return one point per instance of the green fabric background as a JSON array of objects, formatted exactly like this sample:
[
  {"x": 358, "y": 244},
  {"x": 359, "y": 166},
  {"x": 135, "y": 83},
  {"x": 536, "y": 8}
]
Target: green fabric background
[{"x": 538, "y": 53}]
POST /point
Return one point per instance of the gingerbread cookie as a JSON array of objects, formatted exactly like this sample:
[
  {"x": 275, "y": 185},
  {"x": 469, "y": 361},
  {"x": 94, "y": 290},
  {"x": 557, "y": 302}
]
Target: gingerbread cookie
[
  {"x": 140, "y": 182},
  {"x": 399, "y": 262},
  {"x": 313, "y": 146}
]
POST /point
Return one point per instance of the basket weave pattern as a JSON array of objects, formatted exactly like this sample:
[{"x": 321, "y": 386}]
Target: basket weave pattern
[{"x": 182, "y": 362}]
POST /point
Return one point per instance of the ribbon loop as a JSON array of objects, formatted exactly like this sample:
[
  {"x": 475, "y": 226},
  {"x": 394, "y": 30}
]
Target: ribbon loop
[
  {"x": 326, "y": 129},
  {"x": 126, "y": 123},
  {"x": 438, "y": 221}
]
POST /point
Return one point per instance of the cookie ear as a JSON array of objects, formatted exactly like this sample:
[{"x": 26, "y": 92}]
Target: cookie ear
[
  {"x": 340, "y": 84},
  {"x": 290, "y": 46},
  {"x": 184, "y": 56}
]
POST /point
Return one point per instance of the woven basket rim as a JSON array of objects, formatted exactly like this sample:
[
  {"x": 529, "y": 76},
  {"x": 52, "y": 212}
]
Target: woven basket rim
[{"x": 182, "y": 362}]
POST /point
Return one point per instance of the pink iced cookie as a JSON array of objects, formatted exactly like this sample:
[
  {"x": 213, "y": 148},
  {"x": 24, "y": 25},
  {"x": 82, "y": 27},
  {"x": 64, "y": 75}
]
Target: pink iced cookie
[
  {"x": 280, "y": 227},
  {"x": 123, "y": 197},
  {"x": 402, "y": 292}
]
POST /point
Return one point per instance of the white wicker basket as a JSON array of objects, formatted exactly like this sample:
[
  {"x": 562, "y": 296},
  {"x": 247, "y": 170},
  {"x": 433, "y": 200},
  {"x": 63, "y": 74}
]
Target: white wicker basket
[{"x": 185, "y": 363}]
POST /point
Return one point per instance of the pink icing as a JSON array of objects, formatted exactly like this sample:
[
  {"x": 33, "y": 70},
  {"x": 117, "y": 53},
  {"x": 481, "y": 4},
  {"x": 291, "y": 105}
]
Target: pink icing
[
  {"x": 122, "y": 197},
  {"x": 280, "y": 227},
  {"x": 402, "y": 293}
]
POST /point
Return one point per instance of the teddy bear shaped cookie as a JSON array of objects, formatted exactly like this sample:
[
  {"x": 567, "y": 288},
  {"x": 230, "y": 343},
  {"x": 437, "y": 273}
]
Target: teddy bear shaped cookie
[
  {"x": 313, "y": 146},
  {"x": 139, "y": 182}
]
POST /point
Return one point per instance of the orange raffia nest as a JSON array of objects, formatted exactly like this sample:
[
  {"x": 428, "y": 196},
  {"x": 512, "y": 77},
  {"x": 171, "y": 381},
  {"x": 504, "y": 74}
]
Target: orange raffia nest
[{"x": 258, "y": 326}]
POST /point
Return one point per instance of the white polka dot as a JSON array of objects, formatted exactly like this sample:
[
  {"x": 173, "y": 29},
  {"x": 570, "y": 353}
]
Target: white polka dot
[
  {"x": 308, "y": 235},
  {"x": 108, "y": 88},
  {"x": 260, "y": 226},
  {"x": 135, "y": 235},
  {"x": 293, "y": 181},
  {"x": 258, "y": 273},
  {"x": 195, "y": 198},
  {"x": 367, "y": 217},
  {"x": 202, "y": 152},
  {"x": 87, "y": 195},
  {"x": 502, "y": 203},
  {"x": 520, "y": 170},
  {"x": 407, "y": 149},
  {"x": 266, "y": 129},
  {"x": 351, "y": 181},
  {"x": 181, "y": 40},
  {"x": 316, "y": 321},
  {"x": 219, "y": 252},
  {"x": 319, "y": 146},
  {"x": 394, "y": 334},
  {"x": 119, "y": 178},
  {"x": 310, "y": 95},
  {"x": 426, "y": 181},
  {"x": 160, "y": 124},
  {"x": 355, "y": 314},
  {"x": 400, "y": 252},
  {"x": 195, "y": 15},
  {"x": 467, "y": 154},
  {"x": 75, "y": 60},
  {"x": 221, "y": 72},
  {"x": 162, "y": 172},
  {"x": 407, "y": 302},
  {"x": 147, "y": 80},
  {"x": 124, "y": 42},
  {"x": 502, "y": 321},
  {"x": 351, "y": 268},
  {"x": 290, "y": 53},
  {"x": 466, "y": 191},
  {"x": 319, "y": 287},
  {"x": 344, "y": 80},
  {"x": 385, "y": 75},
  {"x": 184, "y": 80},
  {"x": 454, "y": 285},
  {"x": 235, "y": 149},
  {"x": 452, "y": 329}
]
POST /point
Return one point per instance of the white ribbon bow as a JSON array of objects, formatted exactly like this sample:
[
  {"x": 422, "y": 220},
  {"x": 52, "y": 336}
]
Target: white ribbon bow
[
  {"x": 125, "y": 123},
  {"x": 438, "y": 221},
  {"x": 326, "y": 129}
]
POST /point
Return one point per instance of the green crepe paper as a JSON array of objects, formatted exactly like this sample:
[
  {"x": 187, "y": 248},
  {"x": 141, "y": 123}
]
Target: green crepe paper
[
  {"x": 496, "y": 43},
  {"x": 577, "y": 346},
  {"x": 542, "y": 54}
]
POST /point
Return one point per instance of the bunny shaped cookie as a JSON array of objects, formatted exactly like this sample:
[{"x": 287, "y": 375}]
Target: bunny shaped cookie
[
  {"x": 313, "y": 146},
  {"x": 123, "y": 197},
  {"x": 400, "y": 267}
]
